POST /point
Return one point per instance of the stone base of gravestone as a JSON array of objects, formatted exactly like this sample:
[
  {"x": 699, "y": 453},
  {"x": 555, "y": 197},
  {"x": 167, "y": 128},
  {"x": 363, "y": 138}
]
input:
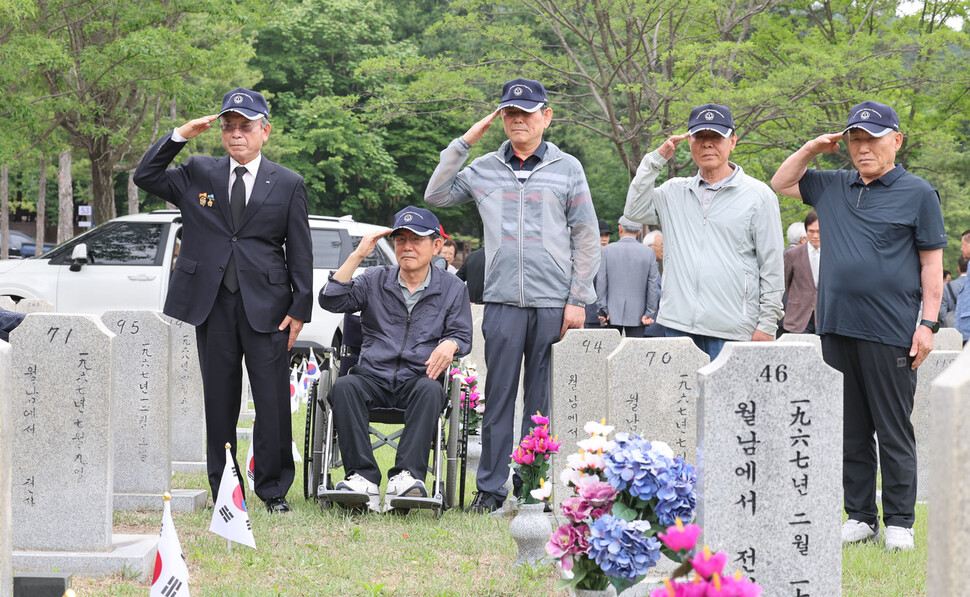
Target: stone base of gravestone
[
  {"x": 769, "y": 420},
  {"x": 812, "y": 339},
  {"x": 131, "y": 555},
  {"x": 183, "y": 500},
  {"x": 948, "y": 339},
  {"x": 936, "y": 362},
  {"x": 949, "y": 528},
  {"x": 6, "y": 448}
]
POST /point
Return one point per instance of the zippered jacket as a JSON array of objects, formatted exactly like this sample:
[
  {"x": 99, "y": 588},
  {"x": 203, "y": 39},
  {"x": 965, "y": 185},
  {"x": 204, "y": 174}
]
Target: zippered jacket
[
  {"x": 397, "y": 344},
  {"x": 723, "y": 270},
  {"x": 542, "y": 246}
]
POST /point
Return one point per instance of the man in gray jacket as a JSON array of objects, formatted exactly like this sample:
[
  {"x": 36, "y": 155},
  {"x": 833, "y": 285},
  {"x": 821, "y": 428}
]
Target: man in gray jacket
[
  {"x": 723, "y": 273},
  {"x": 628, "y": 283},
  {"x": 541, "y": 253}
]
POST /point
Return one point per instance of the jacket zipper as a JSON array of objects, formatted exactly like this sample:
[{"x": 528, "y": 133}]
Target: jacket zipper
[{"x": 397, "y": 366}]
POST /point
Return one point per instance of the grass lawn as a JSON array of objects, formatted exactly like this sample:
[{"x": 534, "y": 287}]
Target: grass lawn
[{"x": 314, "y": 552}]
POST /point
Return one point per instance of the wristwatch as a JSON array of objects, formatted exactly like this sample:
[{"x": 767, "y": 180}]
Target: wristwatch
[{"x": 933, "y": 325}]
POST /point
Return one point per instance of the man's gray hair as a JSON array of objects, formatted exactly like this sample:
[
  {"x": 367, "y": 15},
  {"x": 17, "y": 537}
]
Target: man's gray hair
[
  {"x": 650, "y": 238},
  {"x": 263, "y": 121},
  {"x": 796, "y": 232}
]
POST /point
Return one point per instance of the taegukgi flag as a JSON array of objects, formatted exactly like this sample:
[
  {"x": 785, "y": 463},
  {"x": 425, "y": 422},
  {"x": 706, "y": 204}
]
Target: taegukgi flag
[
  {"x": 229, "y": 517},
  {"x": 294, "y": 389},
  {"x": 313, "y": 368},
  {"x": 171, "y": 577},
  {"x": 251, "y": 468}
]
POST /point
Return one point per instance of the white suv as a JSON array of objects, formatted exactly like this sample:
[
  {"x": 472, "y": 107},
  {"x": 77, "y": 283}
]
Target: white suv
[{"x": 129, "y": 261}]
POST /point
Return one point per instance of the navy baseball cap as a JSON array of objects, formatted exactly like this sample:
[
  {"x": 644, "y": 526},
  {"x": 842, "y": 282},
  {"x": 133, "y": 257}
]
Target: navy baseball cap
[
  {"x": 524, "y": 94},
  {"x": 249, "y": 103},
  {"x": 874, "y": 118},
  {"x": 711, "y": 117},
  {"x": 419, "y": 221}
]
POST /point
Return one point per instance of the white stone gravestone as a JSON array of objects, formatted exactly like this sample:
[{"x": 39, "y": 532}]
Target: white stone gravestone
[
  {"x": 579, "y": 391},
  {"x": 142, "y": 414},
  {"x": 770, "y": 465},
  {"x": 32, "y": 306},
  {"x": 931, "y": 368},
  {"x": 188, "y": 406},
  {"x": 63, "y": 448},
  {"x": 653, "y": 392},
  {"x": 6, "y": 447},
  {"x": 812, "y": 339},
  {"x": 949, "y": 528},
  {"x": 948, "y": 339}
]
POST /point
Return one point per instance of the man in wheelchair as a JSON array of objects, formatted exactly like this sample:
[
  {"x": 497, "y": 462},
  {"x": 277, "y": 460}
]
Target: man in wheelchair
[{"x": 415, "y": 320}]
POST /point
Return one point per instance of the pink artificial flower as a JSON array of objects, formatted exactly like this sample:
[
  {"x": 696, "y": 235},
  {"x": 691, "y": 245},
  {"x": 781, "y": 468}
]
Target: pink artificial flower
[
  {"x": 568, "y": 540},
  {"x": 470, "y": 380},
  {"x": 681, "y": 537},
  {"x": 541, "y": 432},
  {"x": 553, "y": 445},
  {"x": 598, "y": 492},
  {"x": 576, "y": 509},
  {"x": 455, "y": 371},
  {"x": 528, "y": 443},
  {"x": 475, "y": 396},
  {"x": 742, "y": 586},
  {"x": 598, "y": 513},
  {"x": 521, "y": 456},
  {"x": 538, "y": 419},
  {"x": 696, "y": 588},
  {"x": 707, "y": 565}
]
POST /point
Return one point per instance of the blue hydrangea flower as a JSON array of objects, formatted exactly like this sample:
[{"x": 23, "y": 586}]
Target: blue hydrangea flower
[
  {"x": 620, "y": 548},
  {"x": 676, "y": 497}
]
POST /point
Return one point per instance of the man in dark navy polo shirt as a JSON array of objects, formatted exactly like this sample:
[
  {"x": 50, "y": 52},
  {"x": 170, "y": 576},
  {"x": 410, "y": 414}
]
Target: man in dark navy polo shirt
[{"x": 883, "y": 255}]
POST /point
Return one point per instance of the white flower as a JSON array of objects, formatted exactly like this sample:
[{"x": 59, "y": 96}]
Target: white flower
[
  {"x": 597, "y": 428},
  {"x": 595, "y": 443},
  {"x": 480, "y": 408},
  {"x": 570, "y": 476},
  {"x": 543, "y": 492},
  {"x": 584, "y": 460},
  {"x": 662, "y": 448}
]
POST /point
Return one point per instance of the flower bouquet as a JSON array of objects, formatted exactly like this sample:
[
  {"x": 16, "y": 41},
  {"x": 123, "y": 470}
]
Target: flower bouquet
[
  {"x": 531, "y": 459},
  {"x": 707, "y": 567},
  {"x": 626, "y": 492},
  {"x": 471, "y": 399}
]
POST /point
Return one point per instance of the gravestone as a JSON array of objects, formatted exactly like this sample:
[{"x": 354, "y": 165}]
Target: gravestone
[
  {"x": 931, "y": 368},
  {"x": 948, "y": 339},
  {"x": 652, "y": 391},
  {"x": 6, "y": 446},
  {"x": 142, "y": 414},
  {"x": 63, "y": 449},
  {"x": 7, "y": 303},
  {"x": 949, "y": 527},
  {"x": 770, "y": 465},
  {"x": 477, "y": 354},
  {"x": 812, "y": 339},
  {"x": 579, "y": 392},
  {"x": 32, "y": 306},
  {"x": 188, "y": 406}
]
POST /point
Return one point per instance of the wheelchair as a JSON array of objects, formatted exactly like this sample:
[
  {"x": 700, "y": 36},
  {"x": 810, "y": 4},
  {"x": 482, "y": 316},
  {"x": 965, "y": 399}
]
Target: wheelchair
[{"x": 321, "y": 452}]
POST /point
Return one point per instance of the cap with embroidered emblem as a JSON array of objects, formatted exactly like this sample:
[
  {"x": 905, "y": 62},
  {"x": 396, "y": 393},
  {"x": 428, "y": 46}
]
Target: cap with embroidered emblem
[
  {"x": 711, "y": 117},
  {"x": 419, "y": 221},
  {"x": 876, "y": 119},
  {"x": 524, "y": 94},
  {"x": 243, "y": 101}
]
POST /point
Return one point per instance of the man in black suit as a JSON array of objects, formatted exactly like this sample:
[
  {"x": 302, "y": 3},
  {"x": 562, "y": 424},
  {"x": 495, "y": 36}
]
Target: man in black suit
[{"x": 234, "y": 281}]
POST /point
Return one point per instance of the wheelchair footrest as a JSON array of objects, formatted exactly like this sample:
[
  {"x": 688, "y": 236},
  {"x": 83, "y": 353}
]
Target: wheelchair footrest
[
  {"x": 416, "y": 502},
  {"x": 348, "y": 498}
]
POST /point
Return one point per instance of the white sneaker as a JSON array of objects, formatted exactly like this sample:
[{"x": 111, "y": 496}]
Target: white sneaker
[
  {"x": 403, "y": 485},
  {"x": 899, "y": 538},
  {"x": 359, "y": 484},
  {"x": 856, "y": 531}
]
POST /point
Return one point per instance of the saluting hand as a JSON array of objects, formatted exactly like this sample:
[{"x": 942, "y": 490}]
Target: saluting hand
[
  {"x": 477, "y": 130},
  {"x": 194, "y": 128},
  {"x": 369, "y": 242},
  {"x": 670, "y": 145},
  {"x": 827, "y": 143}
]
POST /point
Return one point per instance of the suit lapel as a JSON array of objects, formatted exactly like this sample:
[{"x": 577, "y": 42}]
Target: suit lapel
[
  {"x": 265, "y": 181},
  {"x": 219, "y": 179}
]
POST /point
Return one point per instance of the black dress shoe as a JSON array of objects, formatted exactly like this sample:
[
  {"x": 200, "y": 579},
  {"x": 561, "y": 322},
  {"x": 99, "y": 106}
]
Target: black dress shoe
[{"x": 277, "y": 505}]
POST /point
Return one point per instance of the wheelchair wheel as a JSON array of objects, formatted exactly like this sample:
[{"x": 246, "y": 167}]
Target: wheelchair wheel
[{"x": 313, "y": 465}]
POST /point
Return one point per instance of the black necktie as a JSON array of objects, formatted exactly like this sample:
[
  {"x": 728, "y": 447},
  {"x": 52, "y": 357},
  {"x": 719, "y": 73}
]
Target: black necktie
[{"x": 237, "y": 204}]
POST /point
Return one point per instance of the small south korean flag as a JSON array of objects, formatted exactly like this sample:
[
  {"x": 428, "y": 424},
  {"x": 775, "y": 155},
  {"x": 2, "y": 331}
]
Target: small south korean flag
[
  {"x": 294, "y": 389},
  {"x": 229, "y": 517},
  {"x": 171, "y": 577},
  {"x": 251, "y": 468},
  {"x": 313, "y": 368}
]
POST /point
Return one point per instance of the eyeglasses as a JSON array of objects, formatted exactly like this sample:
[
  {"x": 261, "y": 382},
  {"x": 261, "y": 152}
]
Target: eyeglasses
[
  {"x": 400, "y": 241},
  {"x": 244, "y": 128}
]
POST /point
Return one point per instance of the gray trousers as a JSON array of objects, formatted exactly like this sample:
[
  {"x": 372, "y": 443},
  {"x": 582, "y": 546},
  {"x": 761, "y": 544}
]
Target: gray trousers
[{"x": 511, "y": 332}]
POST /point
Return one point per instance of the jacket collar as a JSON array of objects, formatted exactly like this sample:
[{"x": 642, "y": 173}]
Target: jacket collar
[
  {"x": 392, "y": 284},
  {"x": 735, "y": 178}
]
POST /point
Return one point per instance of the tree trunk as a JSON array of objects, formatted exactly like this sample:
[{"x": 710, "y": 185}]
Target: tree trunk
[
  {"x": 41, "y": 205},
  {"x": 65, "y": 197},
  {"x": 4, "y": 215},
  {"x": 102, "y": 186},
  {"x": 132, "y": 193}
]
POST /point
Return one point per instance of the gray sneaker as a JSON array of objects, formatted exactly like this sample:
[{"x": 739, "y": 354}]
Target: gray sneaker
[
  {"x": 358, "y": 484},
  {"x": 856, "y": 531},
  {"x": 403, "y": 485}
]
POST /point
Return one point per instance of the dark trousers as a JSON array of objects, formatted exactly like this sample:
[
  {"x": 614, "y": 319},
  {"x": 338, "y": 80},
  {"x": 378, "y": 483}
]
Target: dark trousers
[
  {"x": 511, "y": 332},
  {"x": 223, "y": 339},
  {"x": 631, "y": 331},
  {"x": 879, "y": 388},
  {"x": 353, "y": 395}
]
